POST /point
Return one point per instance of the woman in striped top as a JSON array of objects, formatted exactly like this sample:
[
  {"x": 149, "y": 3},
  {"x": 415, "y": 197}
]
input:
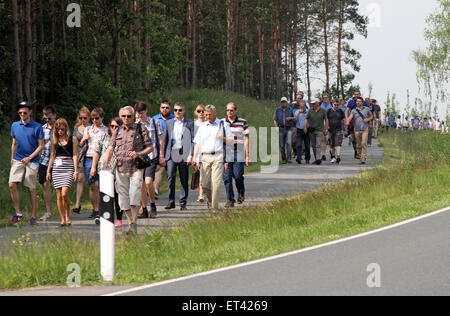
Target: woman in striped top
[{"x": 63, "y": 168}]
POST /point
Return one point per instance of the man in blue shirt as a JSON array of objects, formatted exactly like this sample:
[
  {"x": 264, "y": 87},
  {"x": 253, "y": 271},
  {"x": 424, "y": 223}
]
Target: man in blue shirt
[
  {"x": 352, "y": 103},
  {"x": 162, "y": 117},
  {"x": 303, "y": 143},
  {"x": 27, "y": 145},
  {"x": 284, "y": 120}
]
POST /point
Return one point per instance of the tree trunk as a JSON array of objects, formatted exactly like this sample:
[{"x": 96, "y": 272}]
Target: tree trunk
[
  {"x": 231, "y": 38},
  {"x": 260, "y": 32},
  {"x": 278, "y": 50},
  {"x": 340, "y": 83},
  {"x": 28, "y": 51},
  {"x": 117, "y": 48},
  {"x": 18, "y": 92},
  {"x": 325, "y": 36},
  {"x": 308, "y": 49},
  {"x": 147, "y": 51}
]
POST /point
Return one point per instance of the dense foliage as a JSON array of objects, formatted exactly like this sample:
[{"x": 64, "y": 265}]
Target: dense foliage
[{"x": 124, "y": 50}]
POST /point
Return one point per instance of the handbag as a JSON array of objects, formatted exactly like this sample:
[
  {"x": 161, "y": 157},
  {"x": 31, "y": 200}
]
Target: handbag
[
  {"x": 195, "y": 180},
  {"x": 142, "y": 162}
]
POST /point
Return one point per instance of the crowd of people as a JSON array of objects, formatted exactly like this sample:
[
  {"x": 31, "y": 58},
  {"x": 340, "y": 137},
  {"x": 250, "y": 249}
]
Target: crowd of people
[
  {"x": 404, "y": 123},
  {"x": 137, "y": 149},
  {"x": 325, "y": 125}
]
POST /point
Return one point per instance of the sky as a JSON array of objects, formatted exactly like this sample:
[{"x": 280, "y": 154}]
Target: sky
[{"x": 396, "y": 29}]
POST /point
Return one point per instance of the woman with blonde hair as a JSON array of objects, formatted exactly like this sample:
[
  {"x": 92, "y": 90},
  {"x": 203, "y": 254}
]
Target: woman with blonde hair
[
  {"x": 63, "y": 168},
  {"x": 200, "y": 113},
  {"x": 84, "y": 117}
]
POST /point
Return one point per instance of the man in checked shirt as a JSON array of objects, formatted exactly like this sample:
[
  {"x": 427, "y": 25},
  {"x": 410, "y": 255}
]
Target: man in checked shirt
[{"x": 129, "y": 179}]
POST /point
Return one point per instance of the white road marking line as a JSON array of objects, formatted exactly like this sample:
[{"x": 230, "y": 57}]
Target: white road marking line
[{"x": 241, "y": 265}]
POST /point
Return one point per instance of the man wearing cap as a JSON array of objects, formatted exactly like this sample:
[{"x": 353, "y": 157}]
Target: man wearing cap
[
  {"x": 284, "y": 121},
  {"x": 27, "y": 145},
  {"x": 318, "y": 129}
]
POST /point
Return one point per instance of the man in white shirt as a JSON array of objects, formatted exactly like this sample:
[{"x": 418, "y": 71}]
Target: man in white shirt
[
  {"x": 178, "y": 143},
  {"x": 210, "y": 143}
]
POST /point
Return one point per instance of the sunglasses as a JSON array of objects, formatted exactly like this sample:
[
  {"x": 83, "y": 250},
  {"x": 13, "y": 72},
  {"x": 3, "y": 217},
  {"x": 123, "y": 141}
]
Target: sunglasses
[
  {"x": 200, "y": 111},
  {"x": 165, "y": 108},
  {"x": 126, "y": 116},
  {"x": 61, "y": 129},
  {"x": 48, "y": 118},
  {"x": 114, "y": 126},
  {"x": 95, "y": 118},
  {"x": 84, "y": 118},
  {"x": 23, "y": 113},
  {"x": 178, "y": 110}
]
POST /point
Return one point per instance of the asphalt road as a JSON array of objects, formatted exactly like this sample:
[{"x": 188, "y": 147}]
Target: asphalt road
[{"x": 410, "y": 259}]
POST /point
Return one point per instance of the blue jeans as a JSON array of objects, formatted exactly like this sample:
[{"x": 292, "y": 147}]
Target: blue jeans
[
  {"x": 285, "y": 141},
  {"x": 235, "y": 170}
]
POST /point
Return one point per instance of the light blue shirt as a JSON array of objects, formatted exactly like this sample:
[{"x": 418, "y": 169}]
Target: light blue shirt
[
  {"x": 301, "y": 119},
  {"x": 327, "y": 106}
]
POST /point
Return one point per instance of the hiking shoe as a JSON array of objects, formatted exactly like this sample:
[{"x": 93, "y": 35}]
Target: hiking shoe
[
  {"x": 229, "y": 204},
  {"x": 144, "y": 213},
  {"x": 132, "y": 229},
  {"x": 153, "y": 212},
  {"x": 201, "y": 199},
  {"x": 324, "y": 158},
  {"x": 241, "y": 199},
  {"x": 46, "y": 217},
  {"x": 33, "y": 221},
  {"x": 338, "y": 160},
  {"x": 18, "y": 218}
]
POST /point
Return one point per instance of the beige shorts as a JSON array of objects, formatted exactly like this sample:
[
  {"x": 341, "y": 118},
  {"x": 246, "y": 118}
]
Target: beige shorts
[
  {"x": 19, "y": 170},
  {"x": 128, "y": 187}
]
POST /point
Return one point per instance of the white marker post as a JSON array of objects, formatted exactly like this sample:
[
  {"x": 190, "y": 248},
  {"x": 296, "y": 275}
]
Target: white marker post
[{"x": 107, "y": 229}]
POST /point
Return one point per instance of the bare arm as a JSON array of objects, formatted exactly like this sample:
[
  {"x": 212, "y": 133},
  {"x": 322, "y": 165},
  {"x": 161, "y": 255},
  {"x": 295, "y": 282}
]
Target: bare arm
[
  {"x": 247, "y": 150},
  {"x": 50, "y": 163},
  {"x": 13, "y": 150}
]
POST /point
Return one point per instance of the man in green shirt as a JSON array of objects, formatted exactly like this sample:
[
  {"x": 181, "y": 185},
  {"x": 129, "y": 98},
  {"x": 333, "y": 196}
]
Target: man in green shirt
[{"x": 318, "y": 129}]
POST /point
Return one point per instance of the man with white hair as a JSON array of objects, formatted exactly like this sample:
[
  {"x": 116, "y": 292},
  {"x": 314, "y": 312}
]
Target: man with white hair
[
  {"x": 129, "y": 142},
  {"x": 210, "y": 142}
]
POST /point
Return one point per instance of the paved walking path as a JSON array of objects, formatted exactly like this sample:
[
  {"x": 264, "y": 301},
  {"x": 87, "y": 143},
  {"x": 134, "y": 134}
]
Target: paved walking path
[{"x": 289, "y": 180}]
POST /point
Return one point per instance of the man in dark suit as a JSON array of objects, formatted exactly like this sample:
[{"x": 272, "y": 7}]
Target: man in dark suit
[{"x": 179, "y": 147}]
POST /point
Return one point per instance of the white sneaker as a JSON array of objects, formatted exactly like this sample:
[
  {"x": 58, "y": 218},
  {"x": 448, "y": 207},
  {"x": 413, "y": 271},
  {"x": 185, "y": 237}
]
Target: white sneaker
[
  {"x": 333, "y": 161},
  {"x": 46, "y": 217}
]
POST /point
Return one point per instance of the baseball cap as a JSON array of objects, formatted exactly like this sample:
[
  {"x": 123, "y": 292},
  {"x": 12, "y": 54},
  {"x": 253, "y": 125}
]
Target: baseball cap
[
  {"x": 284, "y": 99},
  {"x": 24, "y": 104}
]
